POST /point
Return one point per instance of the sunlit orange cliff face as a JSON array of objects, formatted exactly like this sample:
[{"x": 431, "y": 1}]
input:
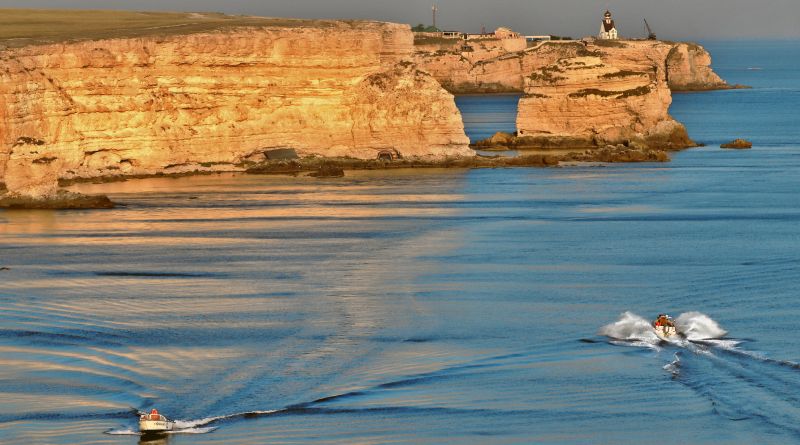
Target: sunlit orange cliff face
[{"x": 211, "y": 100}]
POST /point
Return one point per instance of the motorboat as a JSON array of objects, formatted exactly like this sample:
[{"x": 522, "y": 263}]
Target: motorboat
[
  {"x": 665, "y": 332},
  {"x": 154, "y": 423},
  {"x": 665, "y": 327}
]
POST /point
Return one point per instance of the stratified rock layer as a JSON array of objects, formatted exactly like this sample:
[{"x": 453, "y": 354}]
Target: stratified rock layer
[
  {"x": 201, "y": 101},
  {"x": 601, "y": 94},
  {"x": 489, "y": 66},
  {"x": 689, "y": 69}
]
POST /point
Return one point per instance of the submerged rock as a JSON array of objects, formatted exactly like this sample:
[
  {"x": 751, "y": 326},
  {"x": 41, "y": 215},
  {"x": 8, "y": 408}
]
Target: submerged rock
[
  {"x": 61, "y": 200},
  {"x": 738, "y": 143},
  {"x": 620, "y": 153}
]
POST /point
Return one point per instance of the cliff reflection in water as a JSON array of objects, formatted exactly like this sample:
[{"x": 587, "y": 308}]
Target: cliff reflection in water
[
  {"x": 406, "y": 306},
  {"x": 231, "y": 282}
]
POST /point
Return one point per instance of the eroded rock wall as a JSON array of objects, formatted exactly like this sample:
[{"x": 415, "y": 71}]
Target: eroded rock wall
[
  {"x": 475, "y": 66},
  {"x": 607, "y": 94},
  {"x": 492, "y": 68},
  {"x": 689, "y": 69},
  {"x": 171, "y": 104}
]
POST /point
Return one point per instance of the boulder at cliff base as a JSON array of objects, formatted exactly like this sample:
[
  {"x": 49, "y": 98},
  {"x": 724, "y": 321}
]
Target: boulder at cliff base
[
  {"x": 738, "y": 143},
  {"x": 62, "y": 200}
]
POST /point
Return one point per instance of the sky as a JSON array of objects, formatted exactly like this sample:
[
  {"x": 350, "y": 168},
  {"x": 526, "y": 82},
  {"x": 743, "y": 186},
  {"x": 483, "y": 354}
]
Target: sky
[{"x": 670, "y": 19}]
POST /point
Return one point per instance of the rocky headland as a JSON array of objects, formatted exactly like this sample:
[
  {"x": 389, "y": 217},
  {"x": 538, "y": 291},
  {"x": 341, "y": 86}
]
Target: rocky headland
[
  {"x": 490, "y": 65},
  {"x": 216, "y": 100},
  {"x": 602, "y": 93},
  {"x": 218, "y": 97}
]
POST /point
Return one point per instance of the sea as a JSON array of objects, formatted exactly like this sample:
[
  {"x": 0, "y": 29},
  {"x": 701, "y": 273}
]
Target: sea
[{"x": 430, "y": 306}]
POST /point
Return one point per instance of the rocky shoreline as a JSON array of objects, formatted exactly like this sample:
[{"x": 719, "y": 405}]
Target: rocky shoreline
[
  {"x": 703, "y": 88},
  {"x": 63, "y": 200},
  {"x": 335, "y": 94},
  {"x": 320, "y": 167},
  {"x": 592, "y": 148}
]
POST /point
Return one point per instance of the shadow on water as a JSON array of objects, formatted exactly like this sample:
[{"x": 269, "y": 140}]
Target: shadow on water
[{"x": 154, "y": 439}]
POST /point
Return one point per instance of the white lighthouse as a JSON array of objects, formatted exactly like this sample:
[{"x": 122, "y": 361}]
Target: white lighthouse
[{"x": 608, "y": 30}]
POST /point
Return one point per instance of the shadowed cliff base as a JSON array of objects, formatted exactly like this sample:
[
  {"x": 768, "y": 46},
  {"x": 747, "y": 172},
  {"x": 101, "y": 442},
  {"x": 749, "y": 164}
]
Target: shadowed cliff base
[
  {"x": 337, "y": 167},
  {"x": 62, "y": 200},
  {"x": 701, "y": 87},
  {"x": 675, "y": 139}
]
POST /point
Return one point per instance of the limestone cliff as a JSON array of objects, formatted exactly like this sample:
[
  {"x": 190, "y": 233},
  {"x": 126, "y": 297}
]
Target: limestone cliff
[
  {"x": 176, "y": 103},
  {"x": 606, "y": 93},
  {"x": 487, "y": 66},
  {"x": 480, "y": 66},
  {"x": 689, "y": 69}
]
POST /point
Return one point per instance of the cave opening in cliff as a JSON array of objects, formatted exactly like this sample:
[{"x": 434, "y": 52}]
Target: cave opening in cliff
[{"x": 486, "y": 114}]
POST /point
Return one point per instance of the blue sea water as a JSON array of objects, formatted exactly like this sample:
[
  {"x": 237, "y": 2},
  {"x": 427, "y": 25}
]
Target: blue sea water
[
  {"x": 485, "y": 115},
  {"x": 436, "y": 306}
]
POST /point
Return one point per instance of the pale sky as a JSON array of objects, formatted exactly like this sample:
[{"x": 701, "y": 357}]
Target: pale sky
[{"x": 671, "y": 19}]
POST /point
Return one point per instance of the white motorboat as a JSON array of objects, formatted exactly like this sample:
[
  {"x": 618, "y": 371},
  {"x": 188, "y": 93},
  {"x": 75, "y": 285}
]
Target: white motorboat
[
  {"x": 666, "y": 332},
  {"x": 154, "y": 423}
]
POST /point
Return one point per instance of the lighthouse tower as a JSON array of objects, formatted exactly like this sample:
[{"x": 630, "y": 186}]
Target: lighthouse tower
[{"x": 608, "y": 30}]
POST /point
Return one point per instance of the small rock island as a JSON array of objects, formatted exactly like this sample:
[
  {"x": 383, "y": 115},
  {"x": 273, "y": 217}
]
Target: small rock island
[{"x": 738, "y": 144}]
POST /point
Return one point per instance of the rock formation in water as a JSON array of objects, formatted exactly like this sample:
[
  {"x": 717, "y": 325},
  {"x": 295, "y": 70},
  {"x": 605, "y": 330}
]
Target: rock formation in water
[
  {"x": 601, "y": 95},
  {"x": 593, "y": 94},
  {"x": 738, "y": 144},
  {"x": 217, "y": 99},
  {"x": 32, "y": 180},
  {"x": 492, "y": 66},
  {"x": 211, "y": 100},
  {"x": 689, "y": 69}
]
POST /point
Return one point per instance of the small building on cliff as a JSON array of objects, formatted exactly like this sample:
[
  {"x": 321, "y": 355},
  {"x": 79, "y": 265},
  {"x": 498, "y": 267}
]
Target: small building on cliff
[
  {"x": 608, "y": 29},
  {"x": 505, "y": 33},
  {"x": 538, "y": 38},
  {"x": 453, "y": 35}
]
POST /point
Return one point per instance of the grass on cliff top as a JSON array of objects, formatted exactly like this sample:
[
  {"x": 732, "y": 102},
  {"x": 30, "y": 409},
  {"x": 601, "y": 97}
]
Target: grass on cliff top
[{"x": 22, "y": 27}]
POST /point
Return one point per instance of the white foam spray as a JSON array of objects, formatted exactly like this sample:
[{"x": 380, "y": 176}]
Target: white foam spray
[
  {"x": 674, "y": 367},
  {"x": 188, "y": 424},
  {"x": 123, "y": 432},
  {"x": 698, "y": 326},
  {"x": 631, "y": 327},
  {"x": 205, "y": 430},
  {"x": 638, "y": 331},
  {"x": 197, "y": 426}
]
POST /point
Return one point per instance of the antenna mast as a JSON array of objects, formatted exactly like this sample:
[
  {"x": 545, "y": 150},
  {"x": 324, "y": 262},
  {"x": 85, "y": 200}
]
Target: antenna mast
[
  {"x": 650, "y": 34},
  {"x": 435, "y": 10}
]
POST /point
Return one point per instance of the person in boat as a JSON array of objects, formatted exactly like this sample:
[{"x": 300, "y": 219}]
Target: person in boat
[
  {"x": 663, "y": 320},
  {"x": 154, "y": 415}
]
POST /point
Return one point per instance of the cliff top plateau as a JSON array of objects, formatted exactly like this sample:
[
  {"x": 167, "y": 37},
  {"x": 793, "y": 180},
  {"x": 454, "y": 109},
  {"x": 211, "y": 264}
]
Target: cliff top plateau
[{"x": 23, "y": 27}]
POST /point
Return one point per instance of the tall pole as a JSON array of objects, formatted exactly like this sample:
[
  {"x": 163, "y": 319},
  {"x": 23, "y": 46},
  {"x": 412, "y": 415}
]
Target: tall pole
[{"x": 435, "y": 9}]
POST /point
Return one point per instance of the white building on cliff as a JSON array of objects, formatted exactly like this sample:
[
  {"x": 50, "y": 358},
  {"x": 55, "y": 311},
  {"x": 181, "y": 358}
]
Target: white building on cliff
[{"x": 608, "y": 30}]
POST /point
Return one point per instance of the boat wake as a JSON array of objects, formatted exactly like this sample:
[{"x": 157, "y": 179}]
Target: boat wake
[
  {"x": 635, "y": 330},
  {"x": 197, "y": 426},
  {"x": 739, "y": 384},
  {"x": 132, "y": 432}
]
